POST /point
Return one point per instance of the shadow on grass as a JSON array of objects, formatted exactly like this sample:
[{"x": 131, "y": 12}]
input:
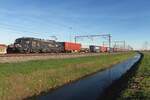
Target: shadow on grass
[{"x": 114, "y": 91}]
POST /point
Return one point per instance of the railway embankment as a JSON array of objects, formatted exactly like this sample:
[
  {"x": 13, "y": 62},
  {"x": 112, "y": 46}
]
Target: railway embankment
[{"x": 15, "y": 58}]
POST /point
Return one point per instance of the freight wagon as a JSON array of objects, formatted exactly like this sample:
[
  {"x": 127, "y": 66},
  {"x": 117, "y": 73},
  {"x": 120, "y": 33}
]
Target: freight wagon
[
  {"x": 118, "y": 49},
  {"x": 70, "y": 47},
  {"x": 85, "y": 49},
  {"x": 98, "y": 49},
  {"x": 114, "y": 49}
]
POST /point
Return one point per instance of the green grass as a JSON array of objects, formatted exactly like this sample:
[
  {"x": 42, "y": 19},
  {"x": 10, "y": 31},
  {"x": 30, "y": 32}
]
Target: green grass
[
  {"x": 20, "y": 80},
  {"x": 139, "y": 85}
]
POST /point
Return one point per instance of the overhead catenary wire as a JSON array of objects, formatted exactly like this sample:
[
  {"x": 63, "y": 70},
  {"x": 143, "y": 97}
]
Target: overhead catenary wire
[{"x": 25, "y": 29}]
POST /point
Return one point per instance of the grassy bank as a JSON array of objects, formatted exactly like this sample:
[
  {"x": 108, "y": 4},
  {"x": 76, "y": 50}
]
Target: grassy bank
[
  {"x": 139, "y": 85},
  {"x": 20, "y": 80}
]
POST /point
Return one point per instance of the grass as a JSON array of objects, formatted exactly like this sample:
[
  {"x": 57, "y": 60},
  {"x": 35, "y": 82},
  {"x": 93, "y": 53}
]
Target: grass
[
  {"x": 139, "y": 86},
  {"x": 24, "y": 79}
]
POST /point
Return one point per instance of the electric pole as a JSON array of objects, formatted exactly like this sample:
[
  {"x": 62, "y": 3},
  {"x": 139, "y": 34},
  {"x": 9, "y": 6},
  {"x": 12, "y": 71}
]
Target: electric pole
[{"x": 106, "y": 36}]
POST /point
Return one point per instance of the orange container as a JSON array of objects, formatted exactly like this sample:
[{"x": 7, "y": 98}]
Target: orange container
[{"x": 69, "y": 46}]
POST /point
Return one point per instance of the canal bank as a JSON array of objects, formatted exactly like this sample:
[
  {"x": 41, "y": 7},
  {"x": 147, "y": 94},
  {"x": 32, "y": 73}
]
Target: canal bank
[{"x": 114, "y": 91}]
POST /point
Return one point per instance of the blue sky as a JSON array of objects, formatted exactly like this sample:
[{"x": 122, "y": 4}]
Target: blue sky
[{"x": 125, "y": 19}]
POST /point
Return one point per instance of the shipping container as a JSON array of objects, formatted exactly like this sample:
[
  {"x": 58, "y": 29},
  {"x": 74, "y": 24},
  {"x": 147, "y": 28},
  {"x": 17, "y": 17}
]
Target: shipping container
[
  {"x": 103, "y": 49},
  {"x": 70, "y": 46},
  {"x": 95, "y": 49}
]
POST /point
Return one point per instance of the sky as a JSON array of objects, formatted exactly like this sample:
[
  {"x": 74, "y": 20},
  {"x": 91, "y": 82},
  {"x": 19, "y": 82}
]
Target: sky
[{"x": 127, "y": 20}]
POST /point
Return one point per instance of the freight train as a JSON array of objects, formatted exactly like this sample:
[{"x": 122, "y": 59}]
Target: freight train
[{"x": 35, "y": 45}]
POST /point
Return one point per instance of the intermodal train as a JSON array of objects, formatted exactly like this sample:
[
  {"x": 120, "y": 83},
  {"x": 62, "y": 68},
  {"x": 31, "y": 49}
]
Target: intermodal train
[{"x": 35, "y": 45}]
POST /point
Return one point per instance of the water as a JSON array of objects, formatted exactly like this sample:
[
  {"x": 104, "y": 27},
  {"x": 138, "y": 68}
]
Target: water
[{"x": 91, "y": 87}]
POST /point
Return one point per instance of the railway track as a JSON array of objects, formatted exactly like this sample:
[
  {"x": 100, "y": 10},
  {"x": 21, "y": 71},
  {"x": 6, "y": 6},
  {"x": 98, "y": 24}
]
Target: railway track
[
  {"x": 44, "y": 54},
  {"x": 13, "y": 58}
]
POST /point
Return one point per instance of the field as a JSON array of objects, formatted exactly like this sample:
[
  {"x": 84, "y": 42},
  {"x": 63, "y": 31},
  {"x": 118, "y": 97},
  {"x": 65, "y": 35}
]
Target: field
[
  {"x": 139, "y": 86},
  {"x": 24, "y": 79}
]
